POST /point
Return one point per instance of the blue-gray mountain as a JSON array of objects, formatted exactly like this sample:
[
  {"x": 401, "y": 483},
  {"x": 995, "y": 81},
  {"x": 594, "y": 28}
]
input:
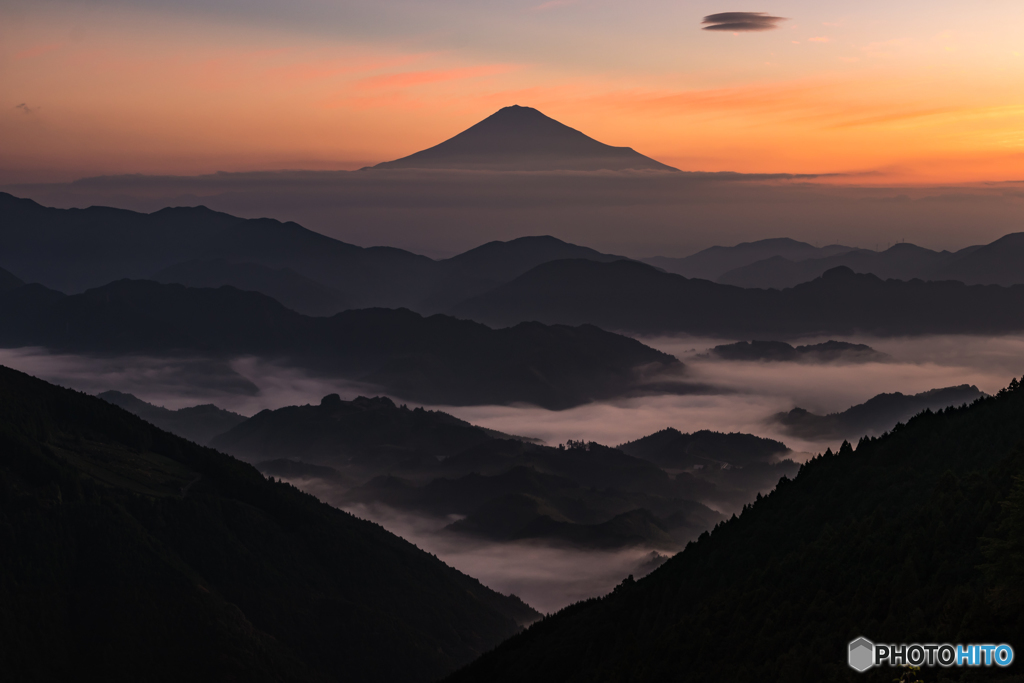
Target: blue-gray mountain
[
  {"x": 639, "y": 298},
  {"x": 437, "y": 359}
]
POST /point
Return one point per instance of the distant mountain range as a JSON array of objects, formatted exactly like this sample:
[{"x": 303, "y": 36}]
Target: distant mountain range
[
  {"x": 714, "y": 262},
  {"x": 72, "y": 250},
  {"x": 899, "y": 262},
  {"x": 636, "y": 297},
  {"x": 874, "y": 416},
  {"x": 76, "y": 249},
  {"x": 196, "y": 423},
  {"x": 292, "y": 290},
  {"x": 523, "y": 139},
  {"x": 776, "y": 351},
  {"x": 129, "y": 553},
  {"x": 437, "y": 360},
  {"x": 784, "y": 263}
]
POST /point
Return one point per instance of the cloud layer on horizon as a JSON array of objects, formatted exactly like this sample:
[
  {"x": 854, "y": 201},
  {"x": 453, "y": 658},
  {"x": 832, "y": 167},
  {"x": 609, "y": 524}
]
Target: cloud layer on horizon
[{"x": 741, "y": 21}]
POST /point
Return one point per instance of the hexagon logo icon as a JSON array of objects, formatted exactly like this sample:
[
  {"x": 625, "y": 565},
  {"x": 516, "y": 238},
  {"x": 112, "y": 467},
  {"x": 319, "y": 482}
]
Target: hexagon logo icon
[{"x": 862, "y": 654}]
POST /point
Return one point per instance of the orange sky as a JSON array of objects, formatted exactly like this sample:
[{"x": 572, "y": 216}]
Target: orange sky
[{"x": 127, "y": 87}]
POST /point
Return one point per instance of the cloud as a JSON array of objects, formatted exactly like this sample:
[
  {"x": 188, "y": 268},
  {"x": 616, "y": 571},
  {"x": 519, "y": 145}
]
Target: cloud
[{"x": 741, "y": 21}]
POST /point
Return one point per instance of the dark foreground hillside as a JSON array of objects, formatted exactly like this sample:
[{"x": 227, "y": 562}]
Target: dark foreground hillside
[
  {"x": 916, "y": 536},
  {"x": 129, "y": 554}
]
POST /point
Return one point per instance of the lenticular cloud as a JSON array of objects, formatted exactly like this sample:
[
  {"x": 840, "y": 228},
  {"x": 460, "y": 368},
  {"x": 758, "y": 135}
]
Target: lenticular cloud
[{"x": 741, "y": 21}]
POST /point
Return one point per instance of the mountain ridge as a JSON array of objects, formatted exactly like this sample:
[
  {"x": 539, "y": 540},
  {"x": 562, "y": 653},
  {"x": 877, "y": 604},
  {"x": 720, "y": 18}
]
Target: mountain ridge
[{"x": 639, "y": 298}]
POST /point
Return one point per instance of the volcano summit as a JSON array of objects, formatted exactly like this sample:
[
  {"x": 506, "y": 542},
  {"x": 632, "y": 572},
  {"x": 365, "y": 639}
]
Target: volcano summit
[{"x": 523, "y": 139}]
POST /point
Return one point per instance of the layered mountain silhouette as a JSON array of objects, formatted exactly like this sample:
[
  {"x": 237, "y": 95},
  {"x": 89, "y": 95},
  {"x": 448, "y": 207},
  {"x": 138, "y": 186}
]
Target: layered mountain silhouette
[
  {"x": 523, "y": 139},
  {"x": 283, "y": 284},
  {"x": 438, "y": 359},
  {"x": 366, "y": 434},
  {"x": 782, "y": 263},
  {"x": 874, "y": 416},
  {"x": 899, "y": 262},
  {"x": 129, "y": 553},
  {"x": 713, "y": 262},
  {"x": 195, "y": 423},
  {"x": 482, "y": 269},
  {"x": 830, "y": 351},
  {"x": 72, "y": 250},
  {"x": 911, "y": 533},
  {"x": 587, "y": 495},
  {"x": 997, "y": 263},
  {"x": 627, "y": 295}
]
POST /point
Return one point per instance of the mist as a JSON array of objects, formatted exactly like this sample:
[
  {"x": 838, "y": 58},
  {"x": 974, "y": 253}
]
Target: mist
[
  {"x": 741, "y": 398},
  {"x": 442, "y": 213},
  {"x": 547, "y": 577}
]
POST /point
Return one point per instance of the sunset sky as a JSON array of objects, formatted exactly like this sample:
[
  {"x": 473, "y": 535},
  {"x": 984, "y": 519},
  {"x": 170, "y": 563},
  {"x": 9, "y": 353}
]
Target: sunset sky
[{"x": 883, "y": 91}]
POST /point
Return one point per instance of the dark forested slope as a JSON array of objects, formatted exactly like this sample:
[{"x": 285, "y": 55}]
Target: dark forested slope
[
  {"x": 875, "y": 415},
  {"x": 130, "y": 554},
  {"x": 914, "y": 537}
]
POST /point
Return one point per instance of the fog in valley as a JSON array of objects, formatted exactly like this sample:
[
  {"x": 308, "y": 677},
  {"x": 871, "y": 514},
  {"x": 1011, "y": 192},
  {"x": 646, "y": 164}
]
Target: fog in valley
[{"x": 742, "y": 396}]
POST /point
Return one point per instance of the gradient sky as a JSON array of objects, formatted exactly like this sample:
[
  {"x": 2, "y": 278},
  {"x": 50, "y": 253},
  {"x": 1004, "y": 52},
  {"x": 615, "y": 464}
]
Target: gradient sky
[{"x": 908, "y": 91}]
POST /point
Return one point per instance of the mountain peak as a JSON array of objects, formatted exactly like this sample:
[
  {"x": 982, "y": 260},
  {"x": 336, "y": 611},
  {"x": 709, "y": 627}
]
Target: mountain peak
[{"x": 521, "y": 138}]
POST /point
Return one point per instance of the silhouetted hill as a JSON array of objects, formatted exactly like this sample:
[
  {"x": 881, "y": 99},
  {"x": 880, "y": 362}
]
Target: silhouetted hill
[
  {"x": 72, "y": 250},
  {"x": 712, "y": 263},
  {"x": 76, "y": 249},
  {"x": 723, "y": 470},
  {"x": 283, "y": 284},
  {"x": 517, "y": 517},
  {"x": 590, "y": 465},
  {"x": 437, "y": 360},
  {"x": 127, "y": 553},
  {"x": 997, "y": 263},
  {"x": 627, "y": 295},
  {"x": 910, "y": 538},
  {"x": 8, "y": 281},
  {"x": 481, "y": 269},
  {"x": 899, "y": 262},
  {"x": 523, "y": 139},
  {"x": 875, "y": 415},
  {"x": 197, "y": 423},
  {"x": 672, "y": 449},
  {"x": 825, "y": 352},
  {"x": 365, "y": 434},
  {"x": 519, "y": 502},
  {"x": 636, "y": 527}
]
